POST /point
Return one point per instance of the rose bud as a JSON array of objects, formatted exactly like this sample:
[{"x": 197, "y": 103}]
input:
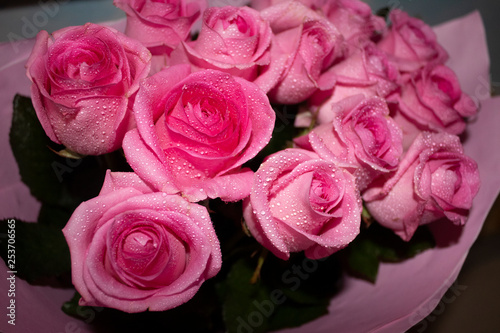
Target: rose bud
[
  {"x": 411, "y": 43},
  {"x": 83, "y": 80},
  {"x": 195, "y": 130},
  {"x": 434, "y": 180},
  {"x": 136, "y": 250},
  {"x": 300, "y": 202}
]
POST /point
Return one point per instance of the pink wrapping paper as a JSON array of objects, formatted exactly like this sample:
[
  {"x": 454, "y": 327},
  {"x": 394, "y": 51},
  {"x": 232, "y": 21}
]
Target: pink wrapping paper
[{"x": 403, "y": 294}]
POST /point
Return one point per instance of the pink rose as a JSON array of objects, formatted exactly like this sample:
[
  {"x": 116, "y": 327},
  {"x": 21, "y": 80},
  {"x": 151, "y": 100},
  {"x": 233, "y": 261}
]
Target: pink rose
[
  {"x": 235, "y": 40},
  {"x": 366, "y": 71},
  {"x": 353, "y": 18},
  {"x": 411, "y": 42},
  {"x": 194, "y": 131},
  {"x": 136, "y": 250},
  {"x": 432, "y": 100},
  {"x": 300, "y": 202},
  {"x": 434, "y": 180},
  {"x": 361, "y": 134},
  {"x": 160, "y": 23},
  {"x": 82, "y": 80},
  {"x": 305, "y": 46}
]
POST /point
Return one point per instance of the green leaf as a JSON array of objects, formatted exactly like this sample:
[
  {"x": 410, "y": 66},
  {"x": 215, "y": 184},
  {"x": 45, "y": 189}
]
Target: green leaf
[
  {"x": 41, "y": 253},
  {"x": 289, "y": 293},
  {"x": 60, "y": 182},
  {"x": 378, "y": 244},
  {"x": 41, "y": 169},
  {"x": 200, "y": 314}
]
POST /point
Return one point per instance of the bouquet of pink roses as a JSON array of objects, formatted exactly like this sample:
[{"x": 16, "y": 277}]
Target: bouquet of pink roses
[{"x": 216, "y": 168}]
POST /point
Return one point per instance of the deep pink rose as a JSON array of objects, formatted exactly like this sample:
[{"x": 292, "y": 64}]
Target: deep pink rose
[
  {"x": 411, "y": 42},
  {"x": 432, "y": 100},
  {"x": 235, "y": 40},
  {"x": 160, "y": 23},
  {"x": 82, "y": 80},
  {"x": 434, "y": 180},
  {"x": 136, "y": 250},
  {"x": 300, "y": 202},
  {"x": 194, "y": 131},
  {"x": 361, "y": 134},
  {"x": 304, "y": 47}
]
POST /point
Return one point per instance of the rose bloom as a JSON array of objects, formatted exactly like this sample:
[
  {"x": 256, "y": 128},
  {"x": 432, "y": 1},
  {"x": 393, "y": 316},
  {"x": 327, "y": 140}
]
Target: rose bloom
[
  {"x": 304, "y": 47},
  {"x": 367, "y": 71},
  {"x": 411, "y": 42},
  {"x": 432, "y": 100},
  {"x": 83, "y": 79},
  {"x": 195, "y": 130},
  {"x": 300, "y": 202},
  {"x": 157, "y": 23},
  {"x": 353, "y": 18},
  {"x": 361, "y": 134},
  {"x": 235, "y": 40},
  {"x": 136, "y": 250},
  {"x": 434, "y": 180}
]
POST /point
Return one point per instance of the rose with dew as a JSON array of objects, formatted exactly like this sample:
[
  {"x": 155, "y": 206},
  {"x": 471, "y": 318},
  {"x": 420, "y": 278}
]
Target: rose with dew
[
  {"x": 432, "y": 100},
  {"x": 83, "y": 81},
  {"x": 435, "y": 180},
  {"x": 411, "y": 43},
  {"x": 300, "y": 202},
  {"x": 361, "y": 134},
  {"x": 353, "y": 18},
  {"x": 195, "y": 130},
  {"x": 136, "y": 250},
  {"x": 235, "y": 40},
  {"x": 304, "y": 47}
]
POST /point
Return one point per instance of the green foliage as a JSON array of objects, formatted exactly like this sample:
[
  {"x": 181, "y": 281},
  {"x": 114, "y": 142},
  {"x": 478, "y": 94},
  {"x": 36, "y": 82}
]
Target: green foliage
[
  {"x": 377, "y": 244},
  {"x": 41, "y": 253}
]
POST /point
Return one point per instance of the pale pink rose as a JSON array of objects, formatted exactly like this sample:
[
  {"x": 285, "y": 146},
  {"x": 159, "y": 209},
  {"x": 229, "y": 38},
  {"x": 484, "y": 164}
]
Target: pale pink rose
[
  {"x": 434, "y": 180},
  {"x": 235, "y": 40},
  {"x": 195, "y": 130},
  {"x": 353, "y": 18},
  {"x": 432, "y": 101},
  {"x": 83, "y": 81},
  {"x": 160, "y": 23},
  {"x": 361, "y": 134},
  {"x": 304, "y": 47},
  {"x": 300, "y": 202},
  {"x": 367, "y": 71},
  {"x": 136, "y": 250},
  {"x": 411, "y": 42}
]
